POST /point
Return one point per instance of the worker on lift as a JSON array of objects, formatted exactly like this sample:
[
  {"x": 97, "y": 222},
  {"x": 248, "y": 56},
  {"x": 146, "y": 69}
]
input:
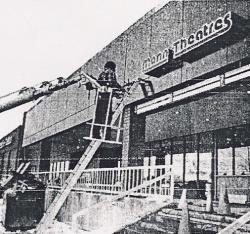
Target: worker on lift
[
  {"x": 108, "y": 76},
  {"x": 103, "y": 113}
]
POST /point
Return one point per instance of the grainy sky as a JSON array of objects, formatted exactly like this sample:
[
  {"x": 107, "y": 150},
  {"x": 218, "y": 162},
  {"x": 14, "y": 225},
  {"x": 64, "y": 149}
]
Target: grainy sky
[{"x": 44, "y": 39}]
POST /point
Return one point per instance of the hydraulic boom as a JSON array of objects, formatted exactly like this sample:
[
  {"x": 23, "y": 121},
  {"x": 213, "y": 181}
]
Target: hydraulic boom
[{"x": 28, "y": 94}]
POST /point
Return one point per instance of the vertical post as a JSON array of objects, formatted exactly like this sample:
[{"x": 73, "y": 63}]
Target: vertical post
[
  {"x": 107, "y": 116},
  {"x": 126, "y": 178},
  {"x": 123, "y": 179},
  {"x": 94, "y": 116},
  {"x": 198, "y": 164},
  {"x": 198, "y": 157},
  {"x": 167, "y": 169},
  {"x": 119, "y": 128},
  {"x": 107, "y": 179},
  {"x": 130, "y": 178},
  {"x": 233, "y": 152},
  {"x": 171, "y": 184},
  {"x": 134, "y": 178},
  {"x": 141, "y": 177},
  {"x": 95, "y": 174},
  {"x": 138, "y": 177},
  {"x": 171, "y": 149},
  {"x": 213, "y": 164},
  {"x": 126, "y": 136},
  {"x": 150, "y": 170},
  {"x": 50, "y": 171},
  {"x": 112, "y": 173},
  {"x": 101, "y": 179},
  {"x": 98, "y": 177},
  {"x": 160, "y": 182},
  {"x": 155, "y": 174},
  {"x": 184, "y": 160},
  {"x": 119, "y": 181},
  {"x": 233, "y": 160},
  {"x": 54, "y": 171}
]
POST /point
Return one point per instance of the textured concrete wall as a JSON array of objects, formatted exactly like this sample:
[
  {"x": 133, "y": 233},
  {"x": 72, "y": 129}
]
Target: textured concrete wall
[
  {"x": 137, "y": 140},
  {"x": 69, "y": 107},
  {"x": 75, "y": 202},
  {"x": 222, "y": 110},
  {"x": 69, "y": 142},
  {"x": 33, "y": 155},
  {"x": 62, "y": 110},
  {"x": 110, "y": 215},
  {"x": 64, "y": 146},
  {"x": 126, "y": 136},
  {"x": 134, "y": 138}
]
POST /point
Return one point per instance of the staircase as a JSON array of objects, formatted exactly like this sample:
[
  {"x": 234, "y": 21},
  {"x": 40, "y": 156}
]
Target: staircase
[
  {"x": 115, "y": 212},
  {"x": 82, "y": 164}
]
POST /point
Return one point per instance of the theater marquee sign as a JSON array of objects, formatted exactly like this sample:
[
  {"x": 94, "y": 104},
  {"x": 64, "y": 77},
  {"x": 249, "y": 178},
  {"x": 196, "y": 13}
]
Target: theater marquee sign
[
  {"x": 203, "y": 35},
  {"x": 207, "y": 39},
  {"x": 155, "y": 63}
]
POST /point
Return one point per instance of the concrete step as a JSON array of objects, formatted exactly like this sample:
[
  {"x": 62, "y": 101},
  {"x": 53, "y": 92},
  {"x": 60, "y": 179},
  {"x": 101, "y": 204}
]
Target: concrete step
[
  {"x": 153, "y": 227},
  {"x": 199, "y": 215},
  {"x": 166, "y": 220},
  {"x": 145, "y": 228}
]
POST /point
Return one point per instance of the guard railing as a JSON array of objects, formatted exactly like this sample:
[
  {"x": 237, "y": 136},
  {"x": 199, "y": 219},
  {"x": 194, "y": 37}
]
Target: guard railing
[{"x": 117, "y": 180}]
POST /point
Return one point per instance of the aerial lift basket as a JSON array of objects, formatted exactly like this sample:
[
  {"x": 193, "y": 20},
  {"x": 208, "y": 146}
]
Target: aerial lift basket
[{"x": 100, "y": 126}]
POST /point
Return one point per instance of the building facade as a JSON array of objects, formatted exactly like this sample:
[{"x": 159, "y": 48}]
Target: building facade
[
  {"x": 191, "y": 109},
  {"x": 11, "y": 151}
]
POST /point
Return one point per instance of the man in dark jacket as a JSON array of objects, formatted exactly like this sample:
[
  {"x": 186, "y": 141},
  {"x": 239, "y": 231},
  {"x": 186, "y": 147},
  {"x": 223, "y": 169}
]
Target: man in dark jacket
[{"x": 108, "y": 76}]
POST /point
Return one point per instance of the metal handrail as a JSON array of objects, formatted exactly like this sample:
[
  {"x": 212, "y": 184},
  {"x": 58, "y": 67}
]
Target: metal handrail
[{"x": 114, "y": 180}]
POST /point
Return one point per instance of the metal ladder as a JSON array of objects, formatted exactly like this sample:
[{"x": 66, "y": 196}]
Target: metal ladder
[{"x": 60, "y": 198}]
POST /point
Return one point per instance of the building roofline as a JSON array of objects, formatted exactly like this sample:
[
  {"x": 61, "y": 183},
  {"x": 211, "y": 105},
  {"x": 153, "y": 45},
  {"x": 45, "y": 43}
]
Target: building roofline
[
  {"x": 147, "y": 15},
  {"x": 19, "y": 126}
]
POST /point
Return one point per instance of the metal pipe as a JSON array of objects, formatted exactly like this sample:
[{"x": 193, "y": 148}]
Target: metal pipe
[{"x": 29, "y": 94}]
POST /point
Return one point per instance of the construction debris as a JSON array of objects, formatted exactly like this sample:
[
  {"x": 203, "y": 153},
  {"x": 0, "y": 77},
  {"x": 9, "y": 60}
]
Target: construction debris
[{"x": 23, "y": 200}]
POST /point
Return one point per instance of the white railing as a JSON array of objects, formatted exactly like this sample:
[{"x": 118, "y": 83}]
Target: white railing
[{"x": 118, "y": 180}]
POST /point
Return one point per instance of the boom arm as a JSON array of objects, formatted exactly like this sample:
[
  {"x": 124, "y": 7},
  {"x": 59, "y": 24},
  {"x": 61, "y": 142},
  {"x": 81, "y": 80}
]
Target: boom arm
[{"x": 29, "y": 94}]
